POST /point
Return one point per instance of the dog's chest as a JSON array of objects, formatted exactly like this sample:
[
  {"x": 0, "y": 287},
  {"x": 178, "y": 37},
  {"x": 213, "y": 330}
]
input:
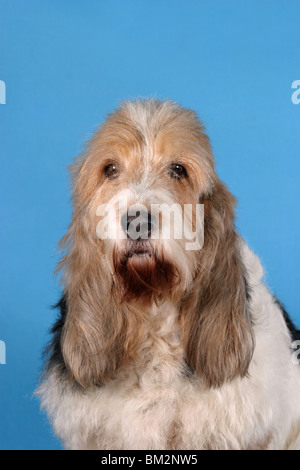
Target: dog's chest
[
  {"x": 156, "y": 404},
  {"x": 140, "y": 408}
]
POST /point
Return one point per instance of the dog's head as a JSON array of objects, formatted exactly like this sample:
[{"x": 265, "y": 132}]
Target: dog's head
[{"x": 137, "y": 238}]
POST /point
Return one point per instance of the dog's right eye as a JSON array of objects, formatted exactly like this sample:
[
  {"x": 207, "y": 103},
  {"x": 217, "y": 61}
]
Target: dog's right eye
[
  {"x": 178, "y": 171},
  {"x": 111, "y": 170}
]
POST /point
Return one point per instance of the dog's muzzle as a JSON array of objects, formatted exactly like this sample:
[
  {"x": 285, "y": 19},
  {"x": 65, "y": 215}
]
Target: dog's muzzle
[{"x": 138, "y": 226}]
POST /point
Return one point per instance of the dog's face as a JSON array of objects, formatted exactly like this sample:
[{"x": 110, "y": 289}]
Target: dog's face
[
  {"x": 147, "y": 158},
  {"x": 147, "y": 170}
]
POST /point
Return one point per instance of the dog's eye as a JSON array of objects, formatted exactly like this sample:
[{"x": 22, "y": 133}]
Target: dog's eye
[
  {"x": 178, "y": 171},
  {"x": 111, "y": 170}
]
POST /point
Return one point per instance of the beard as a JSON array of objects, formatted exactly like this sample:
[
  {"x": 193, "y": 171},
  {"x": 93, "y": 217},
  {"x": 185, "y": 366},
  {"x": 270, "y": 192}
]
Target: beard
[{"x": 142, "y": 273}]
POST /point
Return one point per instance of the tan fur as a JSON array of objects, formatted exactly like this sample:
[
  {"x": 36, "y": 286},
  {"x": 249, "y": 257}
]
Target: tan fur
[
  {"x": 215, "y": 316},
  {"x": 165, "y": 350},
  {"x": 99, "y": 339}
]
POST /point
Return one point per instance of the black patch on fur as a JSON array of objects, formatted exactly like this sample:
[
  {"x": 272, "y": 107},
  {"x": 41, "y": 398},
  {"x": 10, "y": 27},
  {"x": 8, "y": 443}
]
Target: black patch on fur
[
  {"x": 187, "y": 371},
  {"x": 53, "y": 352},
  {"x": 295, "y": 333},
  {"x": 247, "y": 290}
]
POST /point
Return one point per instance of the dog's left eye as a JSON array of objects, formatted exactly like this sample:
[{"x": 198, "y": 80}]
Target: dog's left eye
[
  {"x": 111, "y": 170},
  {"x": 178, "y": 171}
]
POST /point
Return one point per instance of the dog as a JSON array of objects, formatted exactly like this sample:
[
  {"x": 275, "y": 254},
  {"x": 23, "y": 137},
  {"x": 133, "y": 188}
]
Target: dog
[{"x": 157, "y": 345}]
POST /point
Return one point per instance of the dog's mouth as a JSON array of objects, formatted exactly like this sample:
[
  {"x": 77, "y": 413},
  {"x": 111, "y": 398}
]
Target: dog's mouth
[
  {"x": 140, "y": 249},
  {"x": 140, "y": 252},
  {"x": 141, "y": 272}
]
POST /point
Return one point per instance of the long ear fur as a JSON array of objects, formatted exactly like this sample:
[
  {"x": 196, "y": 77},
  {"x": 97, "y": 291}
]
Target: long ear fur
[
  {"x": 98, "y": 336},
  {"x": 216, "y": 322}
]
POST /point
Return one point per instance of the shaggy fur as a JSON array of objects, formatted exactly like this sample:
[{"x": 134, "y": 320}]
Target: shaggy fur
[{"x": 157, "y": 346}]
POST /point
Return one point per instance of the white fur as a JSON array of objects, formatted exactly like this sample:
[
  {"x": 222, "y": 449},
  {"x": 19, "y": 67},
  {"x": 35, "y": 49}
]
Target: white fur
[
  {"x": 175, "y": 249},
  {"x": 140, "y": 408}
]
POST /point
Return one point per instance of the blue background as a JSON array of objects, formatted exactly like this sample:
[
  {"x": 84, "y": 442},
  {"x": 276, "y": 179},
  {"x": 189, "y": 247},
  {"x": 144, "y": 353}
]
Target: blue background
[{"x": 66, "y": 63}]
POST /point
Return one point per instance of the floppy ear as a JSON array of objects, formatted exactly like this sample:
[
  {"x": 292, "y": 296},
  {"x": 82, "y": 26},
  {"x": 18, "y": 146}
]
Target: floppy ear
[
  {"x": 98, "y": 337},
  {"x": 216, "y": 322}
]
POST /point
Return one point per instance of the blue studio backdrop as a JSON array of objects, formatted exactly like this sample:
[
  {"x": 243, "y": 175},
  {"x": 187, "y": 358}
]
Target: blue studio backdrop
[{"x": 63, "y": 65}]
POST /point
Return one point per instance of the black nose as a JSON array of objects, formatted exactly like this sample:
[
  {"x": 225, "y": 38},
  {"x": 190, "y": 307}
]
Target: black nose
[{"x": 138, "y": 226}]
